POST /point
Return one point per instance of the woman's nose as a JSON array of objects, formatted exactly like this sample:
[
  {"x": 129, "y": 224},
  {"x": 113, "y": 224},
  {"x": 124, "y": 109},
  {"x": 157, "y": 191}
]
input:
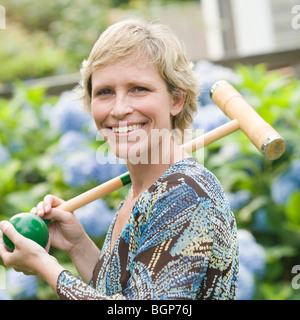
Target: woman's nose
[{"x": 121, "y": 106}]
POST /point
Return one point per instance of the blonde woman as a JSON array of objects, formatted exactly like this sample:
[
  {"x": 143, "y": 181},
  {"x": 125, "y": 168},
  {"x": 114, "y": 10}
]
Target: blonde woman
[{"x": 174, "y": 235}]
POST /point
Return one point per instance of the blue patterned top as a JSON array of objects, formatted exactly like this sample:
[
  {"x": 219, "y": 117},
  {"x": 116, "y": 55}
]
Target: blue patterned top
[{"x": 178, "y": 243}]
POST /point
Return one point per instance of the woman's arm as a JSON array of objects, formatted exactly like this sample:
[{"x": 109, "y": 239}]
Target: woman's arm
[
  {"x": 67, "y": 234},
  {"x": 84, "y": 257}
]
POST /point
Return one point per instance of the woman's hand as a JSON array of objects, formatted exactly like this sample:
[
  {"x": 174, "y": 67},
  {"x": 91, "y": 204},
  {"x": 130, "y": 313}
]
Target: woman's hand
[
  {"x": 65, "y": 230},
  {"x": 67, "y": 234},
  {"x": 28, "y": 256}
]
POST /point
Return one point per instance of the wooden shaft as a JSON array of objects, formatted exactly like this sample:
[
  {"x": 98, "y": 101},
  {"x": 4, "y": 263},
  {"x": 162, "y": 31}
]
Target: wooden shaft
[
  {"x": 118, "y": 182},
  {"x": 211, "y": 136},
  {"x": 262, "y": 135},
  {"x": 92, "y": 194}
]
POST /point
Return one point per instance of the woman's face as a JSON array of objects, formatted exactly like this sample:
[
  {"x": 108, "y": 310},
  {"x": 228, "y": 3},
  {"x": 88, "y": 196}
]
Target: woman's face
[{"x": 131, "y": 105}]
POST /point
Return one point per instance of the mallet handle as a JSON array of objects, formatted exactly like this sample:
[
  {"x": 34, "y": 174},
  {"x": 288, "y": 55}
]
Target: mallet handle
[
  {"x": 120, "y": 181},
  {"x": 93, "y": 194},
  {"x": 243, "y": 116},
  {"x": 263, "y": 136},
  {"x": 211, "y": 136}
]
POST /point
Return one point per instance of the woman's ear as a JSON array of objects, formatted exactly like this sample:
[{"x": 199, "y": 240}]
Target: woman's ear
[{"x": 178, "y": 102}]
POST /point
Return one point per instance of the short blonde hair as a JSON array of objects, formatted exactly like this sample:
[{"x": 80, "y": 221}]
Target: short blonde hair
[{"x": 134, "y": 38}]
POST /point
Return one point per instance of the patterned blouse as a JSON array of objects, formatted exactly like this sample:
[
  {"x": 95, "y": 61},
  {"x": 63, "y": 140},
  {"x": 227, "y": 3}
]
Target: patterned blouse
[{"x": 178, "y": 243}]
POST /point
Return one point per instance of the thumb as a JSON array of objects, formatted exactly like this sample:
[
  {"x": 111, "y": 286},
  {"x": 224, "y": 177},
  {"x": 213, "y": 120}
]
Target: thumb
[{"x": 9, "y": 230}]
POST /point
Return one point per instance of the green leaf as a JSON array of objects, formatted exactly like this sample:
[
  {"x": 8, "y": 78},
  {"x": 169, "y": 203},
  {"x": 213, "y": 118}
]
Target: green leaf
[
  {"x": 21, "y": 201},
  {"x": 247, "y": 211},
  {"x": 8, "y": 172},
  {"x": 293, "y": 208},
  {"x": 277, "y": 291}
]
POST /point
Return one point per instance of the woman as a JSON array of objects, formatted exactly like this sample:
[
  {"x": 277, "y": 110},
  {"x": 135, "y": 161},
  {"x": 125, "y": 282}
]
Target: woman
[{"x": 174, "y": 235}]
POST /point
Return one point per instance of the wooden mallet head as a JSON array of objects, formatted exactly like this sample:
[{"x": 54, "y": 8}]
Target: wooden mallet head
[{"x": 266, "y": 139}]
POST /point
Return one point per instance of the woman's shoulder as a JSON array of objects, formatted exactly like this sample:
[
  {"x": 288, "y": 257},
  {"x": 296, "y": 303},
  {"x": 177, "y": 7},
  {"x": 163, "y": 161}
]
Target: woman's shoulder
[
  {"x": 184, "y": 189},
  {"x": 189, "y": 173},
  {"x": 188, "y": 182}
]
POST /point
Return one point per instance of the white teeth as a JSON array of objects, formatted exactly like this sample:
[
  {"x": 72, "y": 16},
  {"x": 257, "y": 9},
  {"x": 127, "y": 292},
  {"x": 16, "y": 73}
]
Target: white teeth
[{"x": 126, "y": 129}]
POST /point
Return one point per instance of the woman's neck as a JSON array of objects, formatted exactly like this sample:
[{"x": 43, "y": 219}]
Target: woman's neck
[{"x": 143, "y": 175}]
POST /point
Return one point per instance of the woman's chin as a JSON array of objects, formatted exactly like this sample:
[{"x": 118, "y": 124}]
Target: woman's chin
[{"x": 135, "y": 154}]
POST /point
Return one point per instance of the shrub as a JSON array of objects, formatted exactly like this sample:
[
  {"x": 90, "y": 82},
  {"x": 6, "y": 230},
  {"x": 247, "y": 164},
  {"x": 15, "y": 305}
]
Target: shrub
[{"x": 40, "y": 154}]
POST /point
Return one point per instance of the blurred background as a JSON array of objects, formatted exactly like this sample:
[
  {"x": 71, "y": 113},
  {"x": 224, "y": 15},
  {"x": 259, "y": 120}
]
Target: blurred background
[{"x": 48, "y": 144}]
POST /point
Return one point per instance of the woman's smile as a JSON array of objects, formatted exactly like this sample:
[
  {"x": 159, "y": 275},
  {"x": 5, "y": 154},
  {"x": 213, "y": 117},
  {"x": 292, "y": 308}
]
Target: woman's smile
[{"x": 126, "y": 128}]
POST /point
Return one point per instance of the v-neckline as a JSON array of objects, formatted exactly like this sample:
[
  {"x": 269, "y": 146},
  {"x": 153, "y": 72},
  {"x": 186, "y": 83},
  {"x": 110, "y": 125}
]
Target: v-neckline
[{"x": 112, "y": 249}]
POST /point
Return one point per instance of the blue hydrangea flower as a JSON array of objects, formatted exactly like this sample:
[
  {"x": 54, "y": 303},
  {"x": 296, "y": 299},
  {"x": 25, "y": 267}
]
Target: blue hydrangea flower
[
  {"x": 106, "y": 171},
  {"x": 72, "y": 141},
  {"x": 252, "y": 262},
  {"x": 285, "y": 184},
  {"x": 246, "y": 284},
  {"x": 295, "y": 168},
  {"x": 80, "y": 168},
  {"x": 110, "y": 166},
  {"x": 69, "y": 143},
  {"x": 229, "y": 151},
  {"x": 209, "y": 118},
  {"x": 68, "y": 114},
  {"x": 251, "y": 254},
  {"x": 83, "y": 166},
  {"x": 260, "y": 221},
  {"x": 95, "y": 218},
  {"x": 21, "y": 286},
  {"x": 208, "y": 73},
  {"x": 238, "y": 199},
  {"x": 4, "y": 295},
  {"x": 4, "y": 154}
]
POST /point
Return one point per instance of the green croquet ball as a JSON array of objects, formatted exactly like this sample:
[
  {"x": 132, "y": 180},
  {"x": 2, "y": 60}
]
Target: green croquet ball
[{"x": 30, "y": 226}]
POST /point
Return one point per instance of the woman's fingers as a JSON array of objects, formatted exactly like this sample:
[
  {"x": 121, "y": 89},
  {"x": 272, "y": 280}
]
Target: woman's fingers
[
  {"x": 59, "y": 215},
  {"x": 10, "y": 231},
  {"x": 41, "y": 209},
  {"x": 51, "y": 201},
  {"x": 45, "y": 206}
]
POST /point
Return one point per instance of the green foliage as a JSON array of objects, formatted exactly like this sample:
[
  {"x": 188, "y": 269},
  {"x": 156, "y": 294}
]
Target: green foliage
[
  {"x": 31, "y": 172},
  {"x": 277, "y": 99},
  {"x": 21, "y": 119},
  {"x": 45, "y": 38},
  {"x": 29, "y": 54}
]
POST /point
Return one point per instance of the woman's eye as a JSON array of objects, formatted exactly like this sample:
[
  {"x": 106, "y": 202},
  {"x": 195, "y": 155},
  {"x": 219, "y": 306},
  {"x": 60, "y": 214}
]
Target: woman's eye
[
  {"x": 140, "y": 89},
  {"x": 104, "y": 92}
]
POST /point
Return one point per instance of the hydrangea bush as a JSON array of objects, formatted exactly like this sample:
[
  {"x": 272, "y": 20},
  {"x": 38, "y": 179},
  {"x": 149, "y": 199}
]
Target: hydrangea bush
[
  {"x": 50, "y": 145},
  {"x": 252, "y": 264},
  {"x": 21, "y": 286}
]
